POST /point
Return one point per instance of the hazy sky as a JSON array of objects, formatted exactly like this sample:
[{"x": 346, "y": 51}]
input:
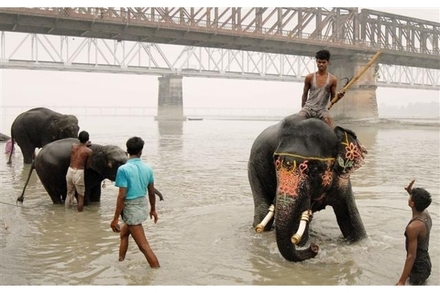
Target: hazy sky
[{"x": 26, "y": 87}]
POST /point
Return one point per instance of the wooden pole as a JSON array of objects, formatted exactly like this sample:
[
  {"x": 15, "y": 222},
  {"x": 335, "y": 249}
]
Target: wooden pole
[{"x": 354, "y": 79}]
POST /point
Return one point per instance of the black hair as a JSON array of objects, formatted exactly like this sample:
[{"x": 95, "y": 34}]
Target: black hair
[
  {"x": 83, "y": 136},
  {"x": 323, "y": 55},
  {"x": 134, "y": 145},
  {"x": 421, "y": 198}
]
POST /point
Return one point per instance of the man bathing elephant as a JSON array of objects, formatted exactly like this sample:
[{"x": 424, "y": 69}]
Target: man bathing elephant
[
  {"x": 52, "y": 163},
  {"x": 79, "y": 161},
  {"x": 297, "y": 167}
]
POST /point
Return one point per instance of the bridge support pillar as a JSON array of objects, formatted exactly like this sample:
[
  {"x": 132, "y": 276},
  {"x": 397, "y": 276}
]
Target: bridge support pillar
[
  {"x": 170, "y": 100},
  {"x": 360, "y": 99}
]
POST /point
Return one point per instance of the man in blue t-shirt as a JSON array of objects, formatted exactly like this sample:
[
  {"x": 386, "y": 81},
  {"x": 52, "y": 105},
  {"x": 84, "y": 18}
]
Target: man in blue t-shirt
[{"x": 133, "y": 179}]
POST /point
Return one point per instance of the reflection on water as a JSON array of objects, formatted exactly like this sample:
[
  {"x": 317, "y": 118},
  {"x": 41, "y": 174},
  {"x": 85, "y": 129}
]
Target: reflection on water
[{"x": 204, "y": 234}]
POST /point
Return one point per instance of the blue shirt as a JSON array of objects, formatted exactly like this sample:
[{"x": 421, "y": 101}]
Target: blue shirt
[{"x": 134, "y": 175}]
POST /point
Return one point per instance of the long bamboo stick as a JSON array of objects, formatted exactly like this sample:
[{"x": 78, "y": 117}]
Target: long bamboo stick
[{"x": 354, "y": 79}]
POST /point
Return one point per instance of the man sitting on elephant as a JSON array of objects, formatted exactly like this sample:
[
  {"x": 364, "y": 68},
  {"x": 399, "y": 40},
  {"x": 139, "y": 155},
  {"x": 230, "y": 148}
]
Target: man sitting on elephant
[
  {"x": 79, "y": 161},
  {"x": 319, "y": 90}
]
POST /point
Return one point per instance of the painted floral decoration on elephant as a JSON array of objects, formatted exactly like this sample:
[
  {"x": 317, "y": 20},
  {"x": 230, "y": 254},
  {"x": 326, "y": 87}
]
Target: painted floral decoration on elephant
[
  {"x": 292, "y": 171},
  {"x": 350, "y": 157}
]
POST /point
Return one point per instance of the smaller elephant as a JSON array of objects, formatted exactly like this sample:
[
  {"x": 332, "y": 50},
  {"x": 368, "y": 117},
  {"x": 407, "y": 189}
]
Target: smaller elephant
[
  {"x": 39, "y": 126},
  {"x": 52, "y": 162}
]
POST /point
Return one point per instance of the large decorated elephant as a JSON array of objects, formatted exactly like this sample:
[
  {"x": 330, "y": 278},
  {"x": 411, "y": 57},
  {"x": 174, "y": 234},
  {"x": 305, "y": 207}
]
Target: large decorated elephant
[
  {"x": 39, "y": 126},
  {"x": 52, "y": 162},
  {"x": 297, "y": 167}
]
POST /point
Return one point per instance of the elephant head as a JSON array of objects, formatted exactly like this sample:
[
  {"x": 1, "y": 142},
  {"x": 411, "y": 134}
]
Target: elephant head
[
  {"x": 312, "y": 166},
  {"x": 104, "y": 163},
  {"x": 106, "y": 160},
  {"x": 63, "y": 126}
]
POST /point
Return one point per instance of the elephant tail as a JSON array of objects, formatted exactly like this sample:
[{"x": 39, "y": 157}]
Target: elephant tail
[{"x": 21, "y": 197}]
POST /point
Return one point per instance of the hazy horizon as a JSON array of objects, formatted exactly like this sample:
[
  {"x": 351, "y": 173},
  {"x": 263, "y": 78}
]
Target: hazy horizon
[{"x": 61, "y": 88}]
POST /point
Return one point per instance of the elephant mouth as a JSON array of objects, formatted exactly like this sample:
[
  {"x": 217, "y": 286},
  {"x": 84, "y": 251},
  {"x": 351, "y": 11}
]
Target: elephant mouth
[{"x": 297, "y": 236}]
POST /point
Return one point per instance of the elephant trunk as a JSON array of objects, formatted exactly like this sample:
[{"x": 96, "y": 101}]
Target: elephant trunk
[
  {"x": 286, "y": 239},
  {"x": 292, "y": 209}
]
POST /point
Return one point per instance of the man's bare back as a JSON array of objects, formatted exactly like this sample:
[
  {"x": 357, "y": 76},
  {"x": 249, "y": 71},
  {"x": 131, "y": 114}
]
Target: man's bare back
[{"x": 80, "y": 155}]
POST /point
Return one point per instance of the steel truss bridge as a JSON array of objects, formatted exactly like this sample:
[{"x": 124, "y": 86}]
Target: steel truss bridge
[{"x": 276, "y": 44}]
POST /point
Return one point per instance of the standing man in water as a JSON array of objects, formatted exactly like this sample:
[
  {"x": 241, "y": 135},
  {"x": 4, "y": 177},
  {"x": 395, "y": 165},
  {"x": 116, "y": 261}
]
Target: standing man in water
[
  {"x": 79, "y": 160},
  {"x": 319, "y": 90},
  {"x": 418, "y": 263},
  {"x": 133, "y": 179}
]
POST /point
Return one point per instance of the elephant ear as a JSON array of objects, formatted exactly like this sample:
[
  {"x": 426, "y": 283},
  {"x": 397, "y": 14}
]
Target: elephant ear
[
  {"x": 350, "y": 152},
  {"x": 98, "y": 161},
  {"x": 53, "y": 130}
]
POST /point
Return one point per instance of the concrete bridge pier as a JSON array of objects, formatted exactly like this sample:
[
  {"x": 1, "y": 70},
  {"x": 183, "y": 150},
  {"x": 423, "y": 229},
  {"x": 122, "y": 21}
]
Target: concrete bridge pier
[
  {"x": 360, "y": 100},
  {"x": 170, "y": 100}
]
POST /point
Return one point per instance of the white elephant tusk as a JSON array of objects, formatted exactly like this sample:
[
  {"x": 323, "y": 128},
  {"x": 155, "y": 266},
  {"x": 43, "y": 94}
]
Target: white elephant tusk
[
  {"x": 296, "y": 238},
  {"x": 260, "y": 227}
]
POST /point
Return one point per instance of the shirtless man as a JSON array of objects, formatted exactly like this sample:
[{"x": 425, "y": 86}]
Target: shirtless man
[
  {"x": 417, "y": 266},
  {"x": 319, "y": 90},
  {"x": 79, "y": 160}
]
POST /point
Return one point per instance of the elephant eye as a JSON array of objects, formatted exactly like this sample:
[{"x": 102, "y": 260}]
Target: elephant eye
[{"x": 317, "y": 168}]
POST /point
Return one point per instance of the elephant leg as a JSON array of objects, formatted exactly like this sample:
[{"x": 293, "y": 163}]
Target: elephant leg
[
  {"x": 260, "y": 212},
  {"x": 349, "y": 219},
  {"x": 95, "y": 194},
  {"x": 93, "y": 186},
  {"x": 263, "y": 187},
  {"x": 56, "y": 199},
  {"x": 262, "y": 203},
  {"x": 28, "y": 152}
]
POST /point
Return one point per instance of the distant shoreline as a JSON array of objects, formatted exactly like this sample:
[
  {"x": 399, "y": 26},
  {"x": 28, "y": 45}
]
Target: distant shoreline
[
  {"x": 394, "y": 122},
  {"x": 370, "y": 121}
]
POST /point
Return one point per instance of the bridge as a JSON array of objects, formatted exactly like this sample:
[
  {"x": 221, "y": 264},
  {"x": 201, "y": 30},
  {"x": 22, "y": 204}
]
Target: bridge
[{"x": 252, "y": 43}]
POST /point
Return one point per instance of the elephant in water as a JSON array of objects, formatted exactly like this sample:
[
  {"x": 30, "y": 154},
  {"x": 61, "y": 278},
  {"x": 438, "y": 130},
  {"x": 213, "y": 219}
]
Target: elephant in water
[
  {"x": 39, "y": 126},
  {"x": 52, "y": 162},
  {"x": 297, "y": 167}
]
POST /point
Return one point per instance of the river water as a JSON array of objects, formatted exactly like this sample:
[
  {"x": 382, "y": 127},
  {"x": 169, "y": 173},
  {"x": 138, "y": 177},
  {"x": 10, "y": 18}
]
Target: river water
[{"x": 204, "y": 235}]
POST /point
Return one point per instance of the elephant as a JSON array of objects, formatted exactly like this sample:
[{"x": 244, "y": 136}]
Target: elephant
[
  {"x": 52, "y": 162},
  {"x": 297, "y": 167},
  {"x": 39, "y": 126}
]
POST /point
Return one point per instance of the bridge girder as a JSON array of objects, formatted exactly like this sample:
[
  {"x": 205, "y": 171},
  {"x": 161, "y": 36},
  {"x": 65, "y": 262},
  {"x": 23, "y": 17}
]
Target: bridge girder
[
  {"x": 299, "y": 31},
  {"x": 62, "y": 53}
]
